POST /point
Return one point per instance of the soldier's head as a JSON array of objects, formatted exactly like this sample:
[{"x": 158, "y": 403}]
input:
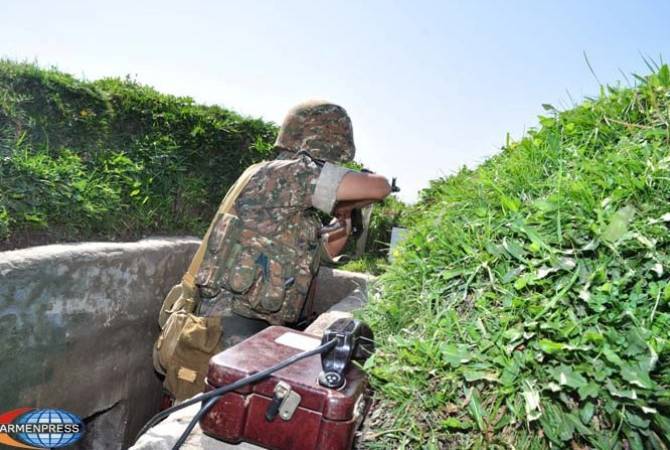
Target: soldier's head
[{"x": 321, "y": 128}]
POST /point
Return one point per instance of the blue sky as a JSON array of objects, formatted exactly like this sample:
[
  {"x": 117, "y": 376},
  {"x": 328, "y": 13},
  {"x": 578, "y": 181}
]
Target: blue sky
[{"x": 430, "y": 85}]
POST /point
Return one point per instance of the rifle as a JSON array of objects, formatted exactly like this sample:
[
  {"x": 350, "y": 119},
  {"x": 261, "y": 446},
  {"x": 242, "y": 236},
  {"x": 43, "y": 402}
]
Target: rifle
[{"x": 358, "y": 213}]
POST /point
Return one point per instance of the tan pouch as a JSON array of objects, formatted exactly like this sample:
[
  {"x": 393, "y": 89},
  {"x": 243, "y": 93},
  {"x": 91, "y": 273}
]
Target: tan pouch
[
  {"x": 184, "y": 348},
  {"x": 181, "y": 297}
]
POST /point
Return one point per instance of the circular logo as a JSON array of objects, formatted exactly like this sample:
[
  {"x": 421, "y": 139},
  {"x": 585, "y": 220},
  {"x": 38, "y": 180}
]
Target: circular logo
[{"x": 49, "y": 428}]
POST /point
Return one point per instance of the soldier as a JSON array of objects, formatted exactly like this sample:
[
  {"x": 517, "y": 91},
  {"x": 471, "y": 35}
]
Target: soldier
[{"x": 263, "y": 250}]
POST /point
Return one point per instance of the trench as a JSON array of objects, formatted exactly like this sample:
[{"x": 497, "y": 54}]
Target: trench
[{"x": 77, "y": 324}]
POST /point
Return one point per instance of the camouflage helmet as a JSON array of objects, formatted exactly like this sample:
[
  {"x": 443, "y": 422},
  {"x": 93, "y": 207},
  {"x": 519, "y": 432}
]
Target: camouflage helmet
[{"x": 321, "y": 128}]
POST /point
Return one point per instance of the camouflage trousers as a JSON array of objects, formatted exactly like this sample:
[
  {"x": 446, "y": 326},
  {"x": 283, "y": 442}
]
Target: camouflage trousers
[{"x": 235, "y": 328}]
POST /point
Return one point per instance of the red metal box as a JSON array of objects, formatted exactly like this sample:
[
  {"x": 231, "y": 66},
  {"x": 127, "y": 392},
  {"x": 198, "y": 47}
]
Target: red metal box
[{"x": 324, "y": 419}]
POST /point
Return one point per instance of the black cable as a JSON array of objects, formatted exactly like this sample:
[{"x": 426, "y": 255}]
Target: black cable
[
  {"x": 218, "y": 392},
  {"x": 177, "y": 445}
]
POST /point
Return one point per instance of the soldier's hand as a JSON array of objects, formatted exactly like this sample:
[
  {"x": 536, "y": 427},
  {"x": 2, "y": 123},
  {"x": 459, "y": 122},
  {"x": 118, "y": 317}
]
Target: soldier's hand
[{"x": 346, "y": 223}]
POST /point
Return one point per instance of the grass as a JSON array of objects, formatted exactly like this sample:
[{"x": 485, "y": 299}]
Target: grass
[
  {"x": 385, "y": 215},
  {"x": 365, "y": 264},
  {"x": 112, "y": 158},
  {"x": 529, "y": 307}
]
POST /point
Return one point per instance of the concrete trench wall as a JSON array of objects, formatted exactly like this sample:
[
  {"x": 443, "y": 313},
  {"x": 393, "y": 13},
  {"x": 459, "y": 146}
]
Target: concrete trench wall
[{"x": 77, "y": 324}]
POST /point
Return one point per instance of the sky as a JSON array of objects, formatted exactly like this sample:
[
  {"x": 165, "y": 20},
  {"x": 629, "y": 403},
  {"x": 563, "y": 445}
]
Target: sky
[{"x": 431, "y": 86}]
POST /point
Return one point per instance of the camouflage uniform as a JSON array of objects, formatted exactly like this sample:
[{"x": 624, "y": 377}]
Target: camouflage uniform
[{"x": 260, "y": 264}]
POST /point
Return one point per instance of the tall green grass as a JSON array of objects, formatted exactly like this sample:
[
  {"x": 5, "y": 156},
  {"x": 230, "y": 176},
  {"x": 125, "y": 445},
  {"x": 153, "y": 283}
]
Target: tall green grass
[
  {"x": 529, "y": 306},
  {"x": 112, "y": 158}
]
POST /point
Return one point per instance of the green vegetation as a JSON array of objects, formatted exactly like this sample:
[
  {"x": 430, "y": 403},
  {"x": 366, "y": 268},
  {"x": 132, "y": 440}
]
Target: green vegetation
[
  {"x": 365, "y": 264},
  {"x": 385, "y": 216},
  {"x": 112, "y": 158},
  {"x": 529, "y": 306}
]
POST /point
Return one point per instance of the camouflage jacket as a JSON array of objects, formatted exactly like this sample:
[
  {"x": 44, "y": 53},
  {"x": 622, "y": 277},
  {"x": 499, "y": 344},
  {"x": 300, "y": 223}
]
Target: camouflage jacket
[{"x": 261, "y": 257}]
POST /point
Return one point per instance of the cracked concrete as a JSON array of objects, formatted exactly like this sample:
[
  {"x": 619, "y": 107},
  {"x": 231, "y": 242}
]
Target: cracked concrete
[{"x": 77, "y": 324}]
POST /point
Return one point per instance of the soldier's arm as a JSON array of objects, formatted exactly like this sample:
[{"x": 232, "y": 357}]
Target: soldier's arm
[
  {"x": 340, "y": 190},
  {"x": 347, "y": 189},
  {"x": 359, "y": 189}
]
